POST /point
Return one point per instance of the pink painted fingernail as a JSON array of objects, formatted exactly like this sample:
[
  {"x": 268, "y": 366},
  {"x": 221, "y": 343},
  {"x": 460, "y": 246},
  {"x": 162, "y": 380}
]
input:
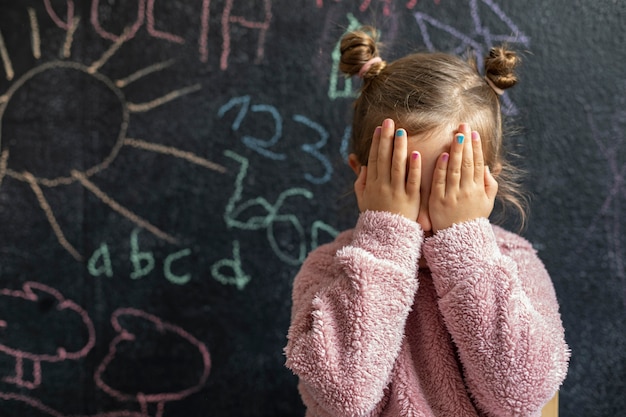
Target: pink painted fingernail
[
  {"x": 474, "y": 135},
  {"x": 415, "y": 155},
  {"x": 445, "y": 157}
]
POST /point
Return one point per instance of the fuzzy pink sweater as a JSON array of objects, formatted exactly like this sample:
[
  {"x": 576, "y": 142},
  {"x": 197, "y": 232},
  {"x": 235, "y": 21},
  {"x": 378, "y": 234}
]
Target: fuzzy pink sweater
[{"x": 477, "y": 334}]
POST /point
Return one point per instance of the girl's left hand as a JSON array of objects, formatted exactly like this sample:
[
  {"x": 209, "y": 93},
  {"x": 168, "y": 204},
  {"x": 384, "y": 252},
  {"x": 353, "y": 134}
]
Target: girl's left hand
[{"x": 463, "y": 189}]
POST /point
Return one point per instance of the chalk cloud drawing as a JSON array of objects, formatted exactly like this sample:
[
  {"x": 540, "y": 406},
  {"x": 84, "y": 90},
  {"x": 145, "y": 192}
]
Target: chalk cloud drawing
[
  {"x": 133, "y": 328},
  {"x": 19, "y": 143},
  {"x": 138, "y": 334},
  {"x": 31, "y": 342}
]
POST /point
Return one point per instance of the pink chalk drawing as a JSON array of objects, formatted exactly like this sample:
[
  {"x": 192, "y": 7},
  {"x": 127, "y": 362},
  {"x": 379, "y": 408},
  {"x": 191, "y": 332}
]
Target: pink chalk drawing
[
  {"x": 131, "y": 347},
  {"x": 30, "y": 341},
  {"x": 43, "y": 409},
  {"x": 479, "y": 39},
  {"x": 145, "y": 15}
]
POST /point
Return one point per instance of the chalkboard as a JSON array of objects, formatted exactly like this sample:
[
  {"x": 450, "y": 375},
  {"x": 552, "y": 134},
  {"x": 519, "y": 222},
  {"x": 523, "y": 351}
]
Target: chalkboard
[{"x": 165, "y": 167}]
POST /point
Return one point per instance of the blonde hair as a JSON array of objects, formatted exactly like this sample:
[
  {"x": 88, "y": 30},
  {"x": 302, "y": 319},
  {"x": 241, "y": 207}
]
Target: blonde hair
[{"x": 427, "y": 91}]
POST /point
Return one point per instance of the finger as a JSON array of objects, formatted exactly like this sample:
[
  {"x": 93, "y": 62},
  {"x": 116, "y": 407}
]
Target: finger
[
  {"x": 385, "y": 149},
  {"x": 398, "y": 159},
  {"x": 467, "y": 161},
  {"x": 359, "y": 185},
  {"x": 414, "y": 176},
  {"x": 438, "y": 186},
  {"x": 372, "y": 159},
  {"x": 455, "y": 161},
  {"x": 491, "y": 185},
  {"x": 479, "y": 162}
]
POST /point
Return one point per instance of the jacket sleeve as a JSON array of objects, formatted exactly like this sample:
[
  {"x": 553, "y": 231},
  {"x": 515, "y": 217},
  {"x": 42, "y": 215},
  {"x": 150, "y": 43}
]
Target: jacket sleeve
[
  {"x": 351, "y": 299},
  {"x": 500, "y": 307}
]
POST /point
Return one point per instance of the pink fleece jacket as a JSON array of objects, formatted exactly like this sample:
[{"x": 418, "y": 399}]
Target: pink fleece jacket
[{"x": 478, "y": 333}]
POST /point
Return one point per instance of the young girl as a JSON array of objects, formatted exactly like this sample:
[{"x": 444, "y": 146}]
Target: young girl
[{"x": 425, "y": 308}]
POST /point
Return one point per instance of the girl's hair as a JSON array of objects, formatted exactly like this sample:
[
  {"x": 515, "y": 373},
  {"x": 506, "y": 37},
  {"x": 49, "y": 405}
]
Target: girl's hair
[{"x": 424, "y": 92}]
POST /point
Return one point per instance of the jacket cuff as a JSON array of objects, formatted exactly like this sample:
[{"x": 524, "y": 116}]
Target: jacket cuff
[
  {"x": 452, "y": 251},
  {"x": 389, "y": 236}
]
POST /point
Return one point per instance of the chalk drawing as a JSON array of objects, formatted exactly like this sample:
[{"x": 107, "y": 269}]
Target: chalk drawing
[
  {"x": 237, "y": 215},
  {"x": 344, "y": 148},
  {"x": 259, "y": 145},
  {"x": 146, "y": 16},
  {"x": 100, "y": 256},
  {"x": 46, "y": 308},
  {"x": 262, "y": 26},
  {"x": 262, "y": 146},
  {"x": 347, "y": 91},
  {"x": 142, "y": 262},
  {"x": 314, "y": 150},
  {"x": 68, "y": 171},
  {"x": 611, "y": 141},
  {"x": 238, "y": 278},
  {"x": 479, "y": 39},
  {"x": 129, "y": 344}
]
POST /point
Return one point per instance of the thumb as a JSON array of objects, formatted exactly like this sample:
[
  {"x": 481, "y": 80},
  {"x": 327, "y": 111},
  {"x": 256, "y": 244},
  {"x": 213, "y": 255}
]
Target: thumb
[
  {"x": 359, "y": 185},
  {"x": 491, "y": 185}
]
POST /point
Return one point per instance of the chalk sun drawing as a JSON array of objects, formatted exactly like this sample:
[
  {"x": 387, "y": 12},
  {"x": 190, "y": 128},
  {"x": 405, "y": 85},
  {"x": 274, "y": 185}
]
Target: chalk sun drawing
[{"x": 21, "y": 146}]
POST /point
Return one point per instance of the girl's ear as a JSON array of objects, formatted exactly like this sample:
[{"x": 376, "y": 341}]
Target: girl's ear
[{"x": 354, "y": 163}]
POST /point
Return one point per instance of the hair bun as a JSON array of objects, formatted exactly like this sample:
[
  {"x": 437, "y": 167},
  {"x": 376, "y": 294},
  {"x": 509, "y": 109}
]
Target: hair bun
[
  {"x": 359, "y": 53},
  {"x": 500, "y": 67}
]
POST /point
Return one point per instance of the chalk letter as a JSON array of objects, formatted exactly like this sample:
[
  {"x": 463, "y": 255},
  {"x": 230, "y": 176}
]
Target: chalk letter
[
  {"x": 102, "y": 253},
  {"x": 95, "y": 21},
  {"x": 137, "y": 257},
  {"x": 167, "y": 268},
  {"x": 239, "y": 278},
  {"x": 157, "y": 33},
  {"x": 263, "y": 26}
]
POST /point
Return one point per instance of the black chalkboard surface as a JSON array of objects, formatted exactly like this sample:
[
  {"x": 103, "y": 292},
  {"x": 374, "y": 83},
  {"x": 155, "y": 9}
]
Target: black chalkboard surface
[{"x": 165, "y": 167}]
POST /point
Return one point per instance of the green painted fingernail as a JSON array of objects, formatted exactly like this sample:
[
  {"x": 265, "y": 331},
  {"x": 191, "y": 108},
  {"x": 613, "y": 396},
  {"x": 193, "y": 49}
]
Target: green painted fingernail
[
  {"x": 399, "y": 132},
  {"x": 460, "y": 138}
]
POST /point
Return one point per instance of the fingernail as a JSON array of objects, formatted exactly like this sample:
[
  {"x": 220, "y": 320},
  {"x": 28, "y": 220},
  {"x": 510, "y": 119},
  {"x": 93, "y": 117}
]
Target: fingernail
[
  {"x": 445, "y": 157},
  {"x": 377, "y": 130},
  {"x": 399, "y": 132},
  {"x": 460, "y": 138},
  {"x": 415, "y": 155},
  {"x": 474, "y": 135}
]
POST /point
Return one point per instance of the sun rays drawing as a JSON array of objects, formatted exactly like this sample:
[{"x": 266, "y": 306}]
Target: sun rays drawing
[{"x": 26, "y": 146}]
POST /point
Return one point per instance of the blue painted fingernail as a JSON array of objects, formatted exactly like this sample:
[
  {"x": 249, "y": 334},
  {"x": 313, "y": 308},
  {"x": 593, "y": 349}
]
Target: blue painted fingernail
[
  {"x": 399, "y": 132},
  {"x": 460, "y": 138}
]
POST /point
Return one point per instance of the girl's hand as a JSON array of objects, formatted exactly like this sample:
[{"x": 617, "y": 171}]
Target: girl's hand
[
  {"x": 388, "y": 183},
  {"x": 463, "y": 189}
]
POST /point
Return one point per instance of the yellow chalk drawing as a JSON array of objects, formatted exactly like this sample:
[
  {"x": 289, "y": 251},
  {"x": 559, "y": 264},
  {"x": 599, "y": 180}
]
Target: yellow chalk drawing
[{"x": 67, "y": 171}]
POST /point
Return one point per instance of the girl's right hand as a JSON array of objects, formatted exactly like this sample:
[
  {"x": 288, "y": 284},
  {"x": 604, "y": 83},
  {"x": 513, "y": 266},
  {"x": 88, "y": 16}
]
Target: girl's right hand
[{"x": 384, "y": 184}]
